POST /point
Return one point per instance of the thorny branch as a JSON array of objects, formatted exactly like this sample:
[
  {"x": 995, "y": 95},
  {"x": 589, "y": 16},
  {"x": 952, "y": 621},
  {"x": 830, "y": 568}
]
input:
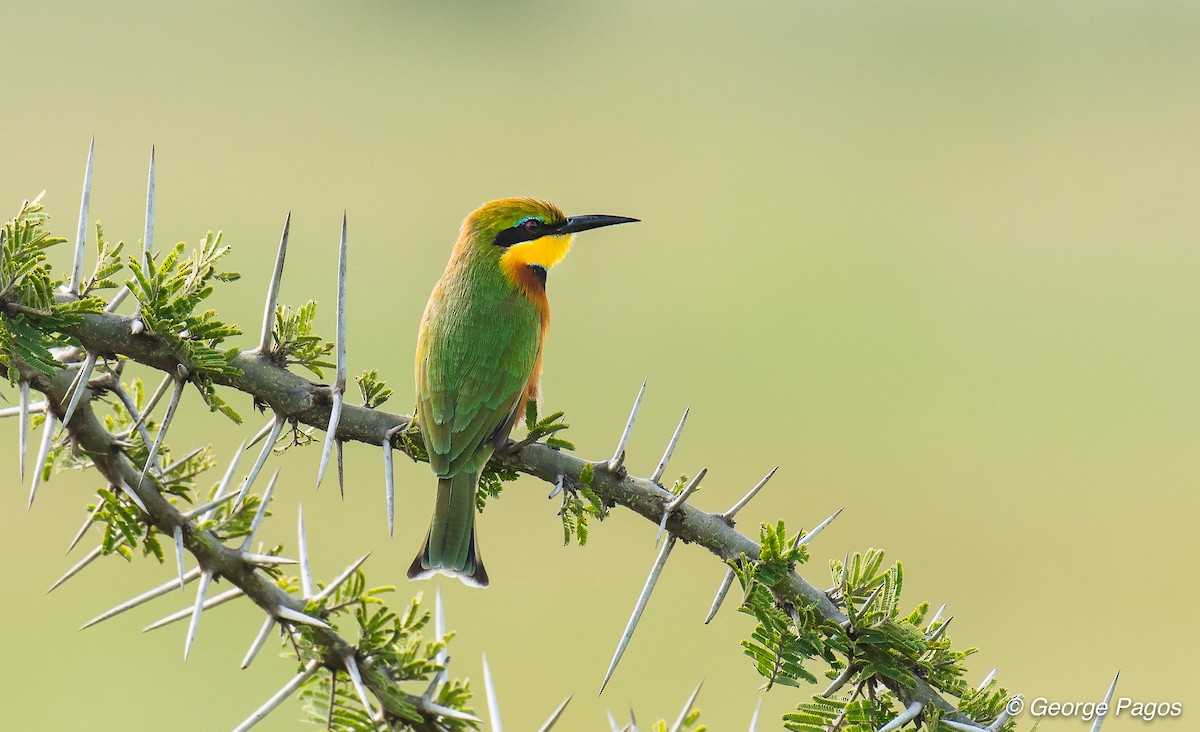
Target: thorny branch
[
  {"x": 263, "y": 374},
  {"x": 228, "y": 563},
  {"x": 296, "y": 398}
]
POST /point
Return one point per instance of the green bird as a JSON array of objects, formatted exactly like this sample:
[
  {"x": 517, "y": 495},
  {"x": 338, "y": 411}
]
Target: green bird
[{"x": 479, "y": 360}]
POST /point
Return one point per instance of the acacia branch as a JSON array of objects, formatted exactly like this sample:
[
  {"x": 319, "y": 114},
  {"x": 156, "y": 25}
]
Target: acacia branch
[
  {"x": 296, "y": 398},
  {"x": 108, "y": 456}
]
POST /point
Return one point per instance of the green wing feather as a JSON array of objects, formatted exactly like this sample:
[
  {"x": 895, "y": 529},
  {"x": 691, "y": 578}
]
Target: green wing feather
[{"x": 475, "y": 354}]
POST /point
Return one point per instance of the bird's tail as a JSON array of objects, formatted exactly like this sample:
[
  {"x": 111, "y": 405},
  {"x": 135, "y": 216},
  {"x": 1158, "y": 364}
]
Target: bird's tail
[{"x": 450, "y": 546}]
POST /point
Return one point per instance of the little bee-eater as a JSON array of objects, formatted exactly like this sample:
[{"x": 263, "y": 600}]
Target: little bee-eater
[{"x": 479, "y": 360}]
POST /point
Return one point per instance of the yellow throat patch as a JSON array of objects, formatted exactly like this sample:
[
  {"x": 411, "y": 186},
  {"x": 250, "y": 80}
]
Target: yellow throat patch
[{"x": 544, "y": 252}]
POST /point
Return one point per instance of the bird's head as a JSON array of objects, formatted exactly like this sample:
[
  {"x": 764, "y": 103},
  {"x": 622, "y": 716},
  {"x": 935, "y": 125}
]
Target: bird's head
[{"x": 524, "y": 232}]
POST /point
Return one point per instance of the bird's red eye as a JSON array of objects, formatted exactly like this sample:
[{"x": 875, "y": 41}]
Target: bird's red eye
[{"x": 533, "y": 225}]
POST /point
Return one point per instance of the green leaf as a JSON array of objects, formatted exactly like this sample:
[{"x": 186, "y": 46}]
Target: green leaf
[
  {"x": 294, "y": 342},
  {"x": 374, "y": 391}
]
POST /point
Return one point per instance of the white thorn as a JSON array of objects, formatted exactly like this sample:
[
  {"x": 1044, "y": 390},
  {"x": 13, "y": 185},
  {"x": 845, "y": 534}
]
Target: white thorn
[
  {"x": 436, "y": 682},
  {"x": 678, "y": 501},
  {"x": 261, "y": 513},
  {"x": 176, "y": 395},
  {"x": 212, "y": 602},
  {"x": 201, "y": 591},
  {"x": 754, "y": 719},
  {"x": 262, "y": 459},
  {"x": 335, "y": 416},
  {"x": 356, "y": 679},
  {"x": 86, "y": 524},
  {"x": 117, "y": 299},
  {"x": 1004, "y": 716},
  {"x": 439, "y": 624},
  {"x": 866, "y": 606},
  {"x": 492, "y": 704},
  {"x": 656, "y": 570},
  {"x": 43, "y": 452},
  {"x": 306, "y": 581},
  {"x": 35, "y": 408},
  {"x": 903, "y": 718},
  {"x": 437, "y": 710},
  {"x": 141, "y": 599},
  {"x": 936, "y": 617},
  {"x": 687, "y": 707},
  {"x": 266, "y": 430},
  {"x": 686, "y": 493},
  {"x": 295, "y": 616},
  {"x": 1107, "y": 703},
  {"x": 962, "y": 726},
  {"x": 208, "y": 506},
  {"x": 612, "y": 722},
  {"x": 288, "y": 689},
  {"x": 152, "y": 402},
  {"x": 139, "y": 423},
  {"x": 182, "y": 461},
  {"x": 226, "y": 479},
  {"x": 389, "y": 485},
  {"x": 337, "y": 581},
  {"x": 618, "y": 458},
  {"x": 81, "y": 564},
  {"x": 341, "y": 469},
  {"x": 728, "y": 515},
  {"x": 81, "y": 236},
  {"x": 986, "y": 680},
  {"x": 178, "y": 535},
  {"x": 264, "y": 342},
  {"x": 148, "y": 232},
  {"x": 840, "y": 681},
  {"x": 807, "y": 538},
  {"x": 266, "y": 560},
  {"x": 23, "y": 427},
  {"x": 133, "y": 497},
  {"x": 723, "y": 590},
  {"x": 662, "y": 526},
  {"x": 555, "y": 716},
  {"x": 78, "y": 386},
  {"x": 558, "y": 486},
  {"x": 340, "y": 339},
  {"x": 257, "y": 644},
  {"x": 662, "y": 464}
]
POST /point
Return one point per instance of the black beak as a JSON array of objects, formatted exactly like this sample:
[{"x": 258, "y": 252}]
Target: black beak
[{"x": 592, "y": 221}]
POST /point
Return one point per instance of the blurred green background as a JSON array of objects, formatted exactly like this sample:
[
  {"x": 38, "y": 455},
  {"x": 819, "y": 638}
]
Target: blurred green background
[{"x": 936, "y": 260}]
